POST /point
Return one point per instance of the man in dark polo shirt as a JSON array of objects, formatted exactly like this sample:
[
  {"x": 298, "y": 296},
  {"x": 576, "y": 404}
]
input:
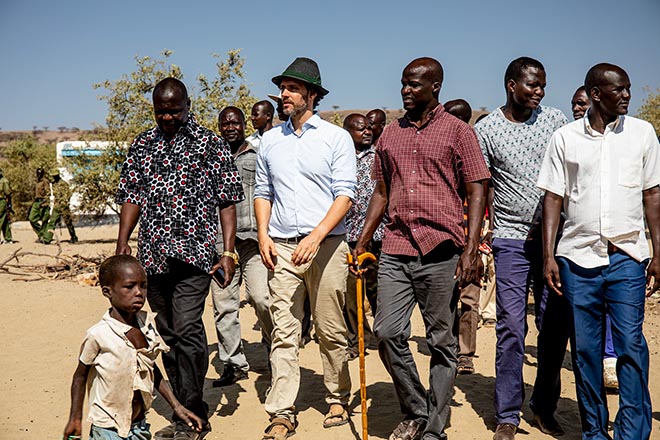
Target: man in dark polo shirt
[{"x": 426, "y": 163}]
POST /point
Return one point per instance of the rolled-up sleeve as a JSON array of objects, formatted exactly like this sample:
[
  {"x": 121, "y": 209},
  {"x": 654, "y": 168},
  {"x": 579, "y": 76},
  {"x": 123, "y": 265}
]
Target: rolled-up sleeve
[
  {"x": 264, "y": 186},
  {"x": 552, "y": 176},
  {"x": 344, "y": 169}
]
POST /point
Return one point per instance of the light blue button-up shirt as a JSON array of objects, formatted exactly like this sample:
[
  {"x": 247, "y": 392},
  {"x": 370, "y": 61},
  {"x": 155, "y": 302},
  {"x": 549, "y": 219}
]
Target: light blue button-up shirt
[{"x": 302, "y": 175}]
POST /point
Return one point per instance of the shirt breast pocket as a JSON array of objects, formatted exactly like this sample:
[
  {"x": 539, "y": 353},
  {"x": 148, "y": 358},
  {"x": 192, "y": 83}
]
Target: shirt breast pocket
[
  {"x": 248, "y": 172},
  {"x": 630, "y": 173}
]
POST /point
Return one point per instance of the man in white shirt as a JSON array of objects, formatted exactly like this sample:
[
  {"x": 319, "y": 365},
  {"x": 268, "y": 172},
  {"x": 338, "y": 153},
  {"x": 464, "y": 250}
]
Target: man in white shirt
[
  {"x": 261, "y": 117},
  {"x": 605, "y": 170}
]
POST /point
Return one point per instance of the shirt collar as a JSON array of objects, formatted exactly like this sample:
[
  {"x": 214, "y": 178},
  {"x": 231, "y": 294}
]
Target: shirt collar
[
  {"x": 190, "y": 129},
  {"x": 436, "y": 112},
  {"x": 120, "y": 328},
  {"x": 313, "y": 122},
  {"x": 612, "y": 126},
  {"x": 365, "y": 152}
]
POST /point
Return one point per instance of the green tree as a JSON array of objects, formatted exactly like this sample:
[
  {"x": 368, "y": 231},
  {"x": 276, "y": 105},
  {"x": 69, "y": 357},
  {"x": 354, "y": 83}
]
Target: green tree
[
  {"x": 130, "y": 112},
  {"x": 650, "y": 109},
  {"x": 23, "y": 157}
]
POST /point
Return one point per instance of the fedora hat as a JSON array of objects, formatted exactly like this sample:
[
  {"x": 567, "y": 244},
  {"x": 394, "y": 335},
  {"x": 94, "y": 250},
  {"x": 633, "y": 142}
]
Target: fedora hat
[{"x": 305, "y": 70}]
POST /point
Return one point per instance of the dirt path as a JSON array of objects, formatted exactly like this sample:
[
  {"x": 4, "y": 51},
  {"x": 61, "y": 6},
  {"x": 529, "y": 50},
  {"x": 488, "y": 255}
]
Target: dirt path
[{"x": 43, "y": 323}]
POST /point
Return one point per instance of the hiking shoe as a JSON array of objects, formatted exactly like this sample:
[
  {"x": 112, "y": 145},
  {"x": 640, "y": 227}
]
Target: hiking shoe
[
  {"x": 505, "y": 431},
  {"x": 548, "y": 425},
  {"x": 609, "y": 374},
  {"x": 230, "y": 376}
]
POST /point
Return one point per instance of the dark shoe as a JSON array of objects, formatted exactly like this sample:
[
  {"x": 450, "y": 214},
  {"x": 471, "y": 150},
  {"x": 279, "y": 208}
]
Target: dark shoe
[
  {"x": 166, "y": 433},
  {"x": 74, "y": 239},
  {"x": 548, "y": 425},
  {"x": 189, "y": 434},
  {"x": 230, "y": 375},
  {"x": 505, "y": 431},
  {"x": 465, "y": 365},
  {"x": 408, "y": 430},
  {"x": 489, "y": 323}
]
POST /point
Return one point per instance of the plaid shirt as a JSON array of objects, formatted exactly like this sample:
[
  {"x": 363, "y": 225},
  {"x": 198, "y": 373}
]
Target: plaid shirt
[
  {"x": 178, "y": 186},
  {"x": 425, "y": 169}
]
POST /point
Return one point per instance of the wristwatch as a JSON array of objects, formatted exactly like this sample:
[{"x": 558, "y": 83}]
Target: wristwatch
[{"x": 232, "y": 255}]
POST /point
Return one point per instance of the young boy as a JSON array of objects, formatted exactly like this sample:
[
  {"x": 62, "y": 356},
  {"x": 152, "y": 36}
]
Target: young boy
[{"x": 117, "y": 361}]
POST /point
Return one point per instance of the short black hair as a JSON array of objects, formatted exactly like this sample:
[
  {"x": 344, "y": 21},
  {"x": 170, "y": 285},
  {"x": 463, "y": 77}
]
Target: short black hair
[
  {"x": 110, "y": 268},
  {"x": 580, "y": 89},
  {"x": 596, "y": 75},
  {"x": 459, "y": 108},
  {"x": 232, "y": 109},
  {"x": 268, "y": 105},
  {"x": 515, "y": 68},
  {"x": 171, "y": 85}
]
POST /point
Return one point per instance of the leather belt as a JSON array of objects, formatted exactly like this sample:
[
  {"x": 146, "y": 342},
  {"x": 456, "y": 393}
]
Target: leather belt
[{"x": 292, "y": 240}]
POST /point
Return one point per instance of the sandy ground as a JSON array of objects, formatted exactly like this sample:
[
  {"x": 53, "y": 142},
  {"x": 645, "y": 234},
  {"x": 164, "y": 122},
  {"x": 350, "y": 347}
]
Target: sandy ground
[{"x": 44, "y": 321}]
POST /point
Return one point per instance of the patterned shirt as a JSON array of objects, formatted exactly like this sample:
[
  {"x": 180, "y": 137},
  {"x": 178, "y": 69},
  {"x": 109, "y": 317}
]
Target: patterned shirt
[
  {"x": 514, "y": 152},
  {"x": 425, "y": 170},
  {"x": 178, "y": 185},
  {"x": 365, "y": 187}
]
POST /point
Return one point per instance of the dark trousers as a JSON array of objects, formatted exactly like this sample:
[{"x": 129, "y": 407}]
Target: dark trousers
[
  {"x": 518, "y": 265},
  {"x": 427, "y": 281},
  {"x": 178, "y": 297},
  {"x": 619, "y": 290}
]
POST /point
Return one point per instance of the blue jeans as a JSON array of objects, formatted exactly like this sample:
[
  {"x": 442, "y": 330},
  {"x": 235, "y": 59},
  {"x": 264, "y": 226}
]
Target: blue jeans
[
  {"x": 518, "y": 265},
  {"x": 618, "y": 289},
  {"x": 139, "y": 431}
]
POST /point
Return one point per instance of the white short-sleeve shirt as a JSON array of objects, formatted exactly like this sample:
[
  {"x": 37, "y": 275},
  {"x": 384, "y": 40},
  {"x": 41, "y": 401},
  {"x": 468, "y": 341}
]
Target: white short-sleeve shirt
[{"x": 601, "y": 177}]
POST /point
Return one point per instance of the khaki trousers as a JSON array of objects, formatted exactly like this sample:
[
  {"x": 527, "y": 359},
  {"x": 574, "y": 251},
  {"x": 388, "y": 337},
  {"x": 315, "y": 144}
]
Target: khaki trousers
[
  {"x": 487, "y": 298},
  {"x": 324, "y": 280}
]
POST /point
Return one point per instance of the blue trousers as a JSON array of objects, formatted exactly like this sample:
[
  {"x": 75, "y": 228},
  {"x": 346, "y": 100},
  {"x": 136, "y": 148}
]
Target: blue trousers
[
  {"x": 518, "y": 265},
  {"x": 619, "y": 290}
]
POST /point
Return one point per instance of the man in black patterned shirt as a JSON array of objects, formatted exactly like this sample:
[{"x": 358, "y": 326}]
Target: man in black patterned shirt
[{"x": 174, "y": 179}]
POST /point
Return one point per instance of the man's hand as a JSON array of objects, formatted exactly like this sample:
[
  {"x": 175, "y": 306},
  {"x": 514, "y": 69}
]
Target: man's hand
[
  {"x": 469, "y": 268},
  {"x": 306, "y": 250},
  {"x": 268, "y": 252},
  {"x": 551, "y": 275},
  {"x": 228, "y": 266},
  {"x": 72, "y": 429},
  {"x": 653, "y": 277},
  {"x": 188, "y": 417},
  {"x": 123, "y": 248}
]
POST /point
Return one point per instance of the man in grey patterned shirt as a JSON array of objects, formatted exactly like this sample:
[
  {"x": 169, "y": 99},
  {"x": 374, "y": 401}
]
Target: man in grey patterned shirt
[{"x": 513, "y": 139}]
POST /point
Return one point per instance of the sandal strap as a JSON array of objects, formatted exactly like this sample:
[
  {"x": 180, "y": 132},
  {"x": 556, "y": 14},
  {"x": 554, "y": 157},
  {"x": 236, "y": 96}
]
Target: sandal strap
[{"x": 281, "y": 421}]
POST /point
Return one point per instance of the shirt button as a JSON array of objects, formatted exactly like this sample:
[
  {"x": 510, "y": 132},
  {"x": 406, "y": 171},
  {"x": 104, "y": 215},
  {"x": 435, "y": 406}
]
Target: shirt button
[
  {"x": 414, "y": 151},
  {"x": 411, "y": 211},
  {"x": 412, "y": 190},
  {"x": 413, "y": 172},
  {"x": 414, "y": 229}
]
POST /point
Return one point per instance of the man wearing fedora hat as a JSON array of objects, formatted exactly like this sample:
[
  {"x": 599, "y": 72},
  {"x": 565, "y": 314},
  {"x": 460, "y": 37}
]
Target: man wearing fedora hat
[{"x": 305, "y": 185}]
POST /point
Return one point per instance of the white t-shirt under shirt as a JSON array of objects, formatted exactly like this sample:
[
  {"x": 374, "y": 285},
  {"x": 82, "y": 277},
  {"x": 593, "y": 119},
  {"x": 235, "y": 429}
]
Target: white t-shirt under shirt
[
  {"x": 513, "y": 152},
  {"x": 601, "y": 177},
  {"x": 119, "y": 369}
]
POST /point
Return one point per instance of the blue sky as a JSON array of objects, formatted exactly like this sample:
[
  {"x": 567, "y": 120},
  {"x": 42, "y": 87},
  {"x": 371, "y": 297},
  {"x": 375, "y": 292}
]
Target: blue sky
[{"x": 52, "y": 52}]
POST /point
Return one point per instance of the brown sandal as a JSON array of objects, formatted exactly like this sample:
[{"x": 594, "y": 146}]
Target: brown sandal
[
  {"x": 280, "y": 421},
  {"x": 340, "y": 416}
]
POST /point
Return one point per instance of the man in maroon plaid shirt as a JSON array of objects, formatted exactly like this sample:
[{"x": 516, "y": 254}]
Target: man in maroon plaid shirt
[{"x": 426, "y": 163}]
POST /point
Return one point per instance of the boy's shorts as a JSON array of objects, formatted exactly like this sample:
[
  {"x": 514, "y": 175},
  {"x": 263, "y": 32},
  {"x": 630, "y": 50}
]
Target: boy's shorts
[{"x": 139, "y": 431}]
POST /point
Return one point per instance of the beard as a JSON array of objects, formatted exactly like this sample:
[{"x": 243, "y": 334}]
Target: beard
[{"x": 297, "y": 109}]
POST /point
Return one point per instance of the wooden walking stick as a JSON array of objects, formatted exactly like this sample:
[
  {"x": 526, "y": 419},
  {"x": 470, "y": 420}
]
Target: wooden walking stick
[{"x": 359, "y": 271}]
